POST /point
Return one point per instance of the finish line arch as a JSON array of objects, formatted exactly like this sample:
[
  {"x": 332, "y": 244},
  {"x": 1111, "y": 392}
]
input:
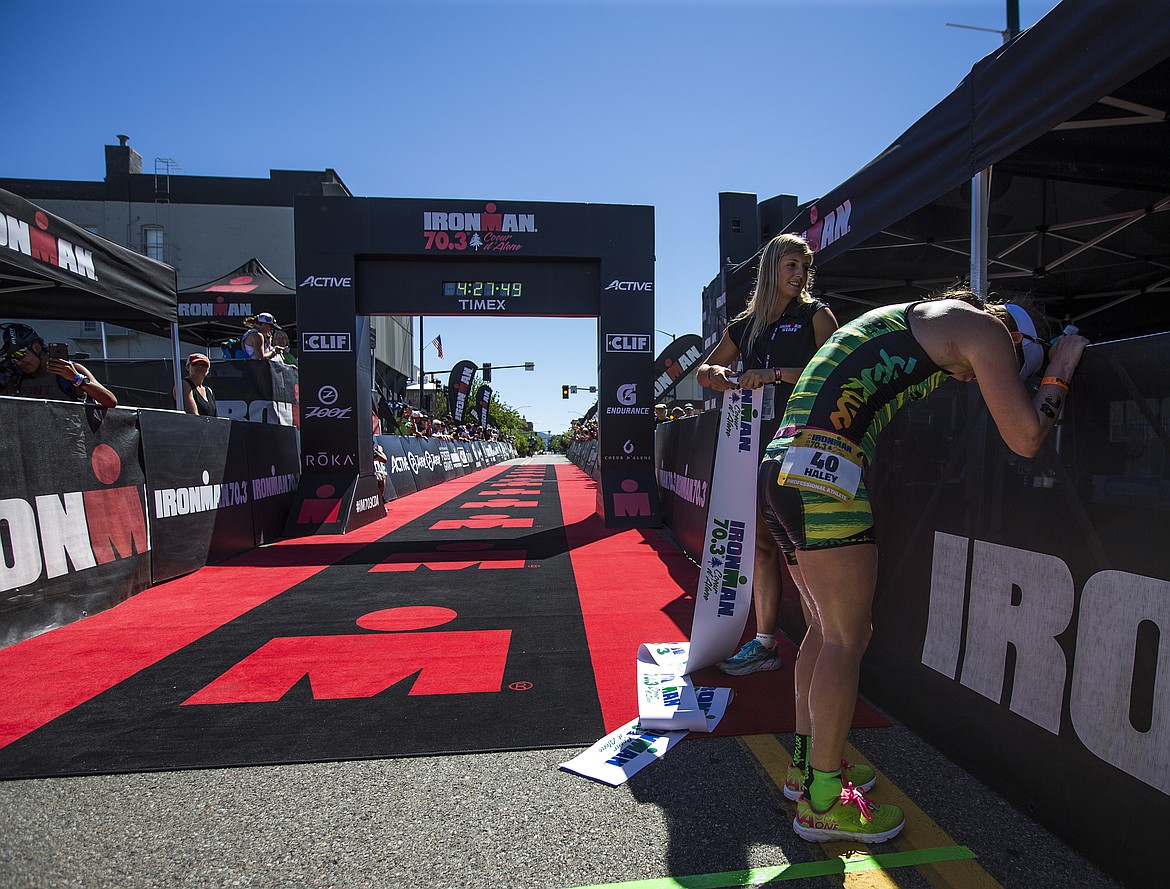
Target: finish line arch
[{"x": 357, "y": 257}]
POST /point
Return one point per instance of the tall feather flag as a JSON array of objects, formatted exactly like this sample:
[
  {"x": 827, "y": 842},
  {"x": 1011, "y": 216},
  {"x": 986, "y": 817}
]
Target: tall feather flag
[{"x": 437, "y": 342}]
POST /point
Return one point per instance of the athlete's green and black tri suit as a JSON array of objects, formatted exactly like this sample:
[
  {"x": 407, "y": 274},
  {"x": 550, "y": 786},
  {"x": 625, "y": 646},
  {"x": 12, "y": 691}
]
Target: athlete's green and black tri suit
[{"x": 863, "y": 375}]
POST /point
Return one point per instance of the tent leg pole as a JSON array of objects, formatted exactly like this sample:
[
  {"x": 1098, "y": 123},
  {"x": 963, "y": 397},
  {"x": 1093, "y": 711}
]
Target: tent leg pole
[
  {"x": 175, "y": 357},
  {"x": 980, "y": 199}
]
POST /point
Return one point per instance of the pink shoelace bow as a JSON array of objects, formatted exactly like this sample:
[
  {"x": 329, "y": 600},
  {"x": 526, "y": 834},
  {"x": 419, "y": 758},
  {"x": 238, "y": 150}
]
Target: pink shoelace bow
[{"x": 851, "y": 795}]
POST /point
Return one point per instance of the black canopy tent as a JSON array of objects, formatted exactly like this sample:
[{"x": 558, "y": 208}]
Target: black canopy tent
[
  {"x": 1062, "y": 137},
  {"x": 52, "y": 269},
  {"x": 215, "y": 311}
]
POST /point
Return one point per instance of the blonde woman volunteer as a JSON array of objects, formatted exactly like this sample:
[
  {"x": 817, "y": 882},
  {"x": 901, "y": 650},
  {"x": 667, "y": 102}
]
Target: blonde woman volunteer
[{"x": 777, "y": 333}]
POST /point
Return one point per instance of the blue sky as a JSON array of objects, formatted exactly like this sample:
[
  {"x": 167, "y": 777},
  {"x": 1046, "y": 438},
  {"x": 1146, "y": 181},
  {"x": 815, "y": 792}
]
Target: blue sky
[{"x": 658, "y": 102}]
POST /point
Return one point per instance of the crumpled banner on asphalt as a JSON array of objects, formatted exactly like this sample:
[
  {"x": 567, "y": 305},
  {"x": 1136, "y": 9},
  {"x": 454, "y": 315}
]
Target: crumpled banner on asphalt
[{"x": 622, "y": 753}]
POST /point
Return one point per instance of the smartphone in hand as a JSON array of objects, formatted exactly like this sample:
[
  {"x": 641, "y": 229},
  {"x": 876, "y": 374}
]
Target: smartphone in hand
[{"x": 59, "y": 350}]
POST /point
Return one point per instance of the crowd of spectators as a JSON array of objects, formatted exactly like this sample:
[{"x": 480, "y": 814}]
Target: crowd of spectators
[
  {"x": 583, "y": 430},
  {"x": 678, "y": 412},
  {"x": 410, "y": 422}
]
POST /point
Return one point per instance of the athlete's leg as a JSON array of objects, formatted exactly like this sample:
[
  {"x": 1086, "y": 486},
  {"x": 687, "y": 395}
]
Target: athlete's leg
[
  {"x": 841, "y": 583},
  {"x": 810, "y": 648},
  {"x": 766, "y": 582}
]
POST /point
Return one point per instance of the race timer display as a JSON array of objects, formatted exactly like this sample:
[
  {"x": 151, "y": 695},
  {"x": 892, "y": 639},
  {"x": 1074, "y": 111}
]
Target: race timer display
[
  {"x": 479, "y": 286},
  {"x": 483, "y": 289}
]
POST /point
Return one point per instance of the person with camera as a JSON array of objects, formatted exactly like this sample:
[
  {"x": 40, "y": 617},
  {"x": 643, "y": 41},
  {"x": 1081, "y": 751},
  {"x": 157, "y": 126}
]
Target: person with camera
[
  {"x": 259, "y": 342},
  {"x": 45, "y": 371}
]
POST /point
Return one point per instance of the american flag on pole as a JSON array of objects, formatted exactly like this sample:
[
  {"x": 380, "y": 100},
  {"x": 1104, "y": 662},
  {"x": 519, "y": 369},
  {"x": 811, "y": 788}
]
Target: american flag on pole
[{"x": 437, "y": 342}]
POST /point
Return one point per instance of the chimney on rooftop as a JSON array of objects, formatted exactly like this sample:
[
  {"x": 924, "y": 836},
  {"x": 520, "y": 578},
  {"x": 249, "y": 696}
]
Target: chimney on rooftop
[{"x": 122, "y": 160}]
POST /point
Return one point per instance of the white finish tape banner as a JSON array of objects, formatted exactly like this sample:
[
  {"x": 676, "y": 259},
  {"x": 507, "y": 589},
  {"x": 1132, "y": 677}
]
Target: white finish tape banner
[
  {"x": 629, "y": 749},
  {"x": 669, "y": 705},
  {"x": 622, "y": 753},
  {"x": 724, "y": 593}
]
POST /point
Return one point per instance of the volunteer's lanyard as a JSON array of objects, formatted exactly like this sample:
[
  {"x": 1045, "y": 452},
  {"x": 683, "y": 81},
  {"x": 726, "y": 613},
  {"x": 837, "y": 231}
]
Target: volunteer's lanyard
[{"x": 768, "y": 400}]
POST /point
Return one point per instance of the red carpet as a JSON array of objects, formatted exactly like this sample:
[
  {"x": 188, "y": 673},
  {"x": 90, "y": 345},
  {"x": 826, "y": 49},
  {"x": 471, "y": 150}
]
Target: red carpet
[
  {"x": 494, "y": 612},
  {"x": 48, "y": 675}
]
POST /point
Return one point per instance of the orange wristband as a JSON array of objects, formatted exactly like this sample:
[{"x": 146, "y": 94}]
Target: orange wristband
[{"x": 1055, "y": 381}]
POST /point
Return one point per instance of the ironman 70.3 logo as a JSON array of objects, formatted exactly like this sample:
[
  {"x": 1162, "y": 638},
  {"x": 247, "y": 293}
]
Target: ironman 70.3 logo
[{"x": 488, "y": 231}]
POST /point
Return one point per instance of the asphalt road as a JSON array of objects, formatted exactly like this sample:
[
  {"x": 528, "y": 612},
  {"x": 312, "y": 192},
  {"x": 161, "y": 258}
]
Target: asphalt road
[{"x": 495, "y": 821}]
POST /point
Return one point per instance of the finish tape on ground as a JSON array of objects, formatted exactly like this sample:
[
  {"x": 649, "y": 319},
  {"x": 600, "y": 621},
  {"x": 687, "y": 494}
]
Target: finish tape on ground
[
  {"x": 852, "y": 865},
  {"x": 669, "y": 704}
]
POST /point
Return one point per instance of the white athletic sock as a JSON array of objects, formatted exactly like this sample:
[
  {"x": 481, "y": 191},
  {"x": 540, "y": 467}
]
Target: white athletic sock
[{"x": 768, "y": 640}]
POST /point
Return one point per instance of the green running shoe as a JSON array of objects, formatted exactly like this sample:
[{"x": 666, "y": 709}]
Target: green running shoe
[
  {"x": 858, "y": 774},
  {"x": 851, "y": 817}
]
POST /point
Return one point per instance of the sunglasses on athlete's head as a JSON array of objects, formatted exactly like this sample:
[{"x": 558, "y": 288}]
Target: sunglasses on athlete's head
[{"x": 17, "y": 354}]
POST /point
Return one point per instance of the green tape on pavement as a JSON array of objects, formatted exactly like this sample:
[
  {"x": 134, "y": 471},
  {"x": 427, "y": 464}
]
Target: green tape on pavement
[{"x": 780, "y": 873}]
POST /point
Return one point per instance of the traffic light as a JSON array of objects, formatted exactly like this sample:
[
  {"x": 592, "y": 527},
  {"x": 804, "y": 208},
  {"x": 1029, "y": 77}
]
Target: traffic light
[
  {"x": 487, "y": 372},
  {"x": 564, "y": 391}
]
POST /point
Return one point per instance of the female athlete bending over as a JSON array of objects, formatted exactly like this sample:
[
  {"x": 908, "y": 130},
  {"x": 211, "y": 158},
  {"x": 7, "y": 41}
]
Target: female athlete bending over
[{"x": 814, "y": 501}]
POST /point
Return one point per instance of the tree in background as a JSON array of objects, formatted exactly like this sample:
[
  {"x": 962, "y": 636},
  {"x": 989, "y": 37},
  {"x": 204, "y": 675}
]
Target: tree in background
[
  {"x": 501, "y": 415},
  {"x": 511, "y": 425}
]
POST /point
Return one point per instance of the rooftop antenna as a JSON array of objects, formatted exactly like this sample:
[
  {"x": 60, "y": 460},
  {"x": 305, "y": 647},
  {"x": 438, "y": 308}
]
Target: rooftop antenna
[
  {"x": 1008, "y": 33},
  {"x": 166, "y": 165}
]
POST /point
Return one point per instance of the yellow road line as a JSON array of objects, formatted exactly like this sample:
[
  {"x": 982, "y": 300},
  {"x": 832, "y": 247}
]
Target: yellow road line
[{"x": 920, "y": 832}]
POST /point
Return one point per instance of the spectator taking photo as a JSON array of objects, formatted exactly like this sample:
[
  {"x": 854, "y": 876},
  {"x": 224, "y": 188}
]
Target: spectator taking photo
[{"x": 45, "y": 371}]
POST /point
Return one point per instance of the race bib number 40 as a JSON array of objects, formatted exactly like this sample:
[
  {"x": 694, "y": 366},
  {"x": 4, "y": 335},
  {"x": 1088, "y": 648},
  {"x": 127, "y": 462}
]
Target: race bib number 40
[{"x": 823, "y": 462}]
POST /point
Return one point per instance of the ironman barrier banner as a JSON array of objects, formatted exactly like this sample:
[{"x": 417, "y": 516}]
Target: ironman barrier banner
[{"x": 669, "y": 704}]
